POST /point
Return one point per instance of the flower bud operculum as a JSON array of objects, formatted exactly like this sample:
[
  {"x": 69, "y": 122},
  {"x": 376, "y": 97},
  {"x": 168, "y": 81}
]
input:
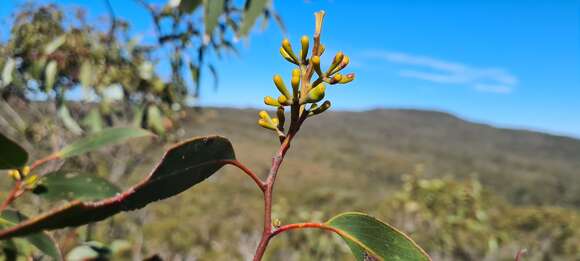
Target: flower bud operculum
[{"x": 281, "y": 86}]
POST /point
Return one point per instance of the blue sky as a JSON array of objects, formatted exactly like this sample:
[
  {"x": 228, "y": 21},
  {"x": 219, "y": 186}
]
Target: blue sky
[{"x": 507, "y": 63}]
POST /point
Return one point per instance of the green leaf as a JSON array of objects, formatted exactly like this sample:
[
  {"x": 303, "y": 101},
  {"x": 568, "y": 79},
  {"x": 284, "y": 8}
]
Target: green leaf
[
  {"x": 86, "y": 74},
  {"x": 101, "y": 139},
  {"x": 54, "y": 44},
  {"x": 69, "y": 185},
  {"x": 50, "y": 75},
  {"x": 368, "y": 238},
  {"x": 68, "y": 121},
  {"x": 155, "y": 120},
  {"x": 7, "y": 71},
  {"x": 183, "y": 166},
  {"x": 12, "y": 156},
  {"x": 42, "y": 241},
  {"x": 252, "y": 11},
  {"x": 93, "y": 121},
  {"x": 188, "y": 6},
  {"x": 213, "y": 10}
]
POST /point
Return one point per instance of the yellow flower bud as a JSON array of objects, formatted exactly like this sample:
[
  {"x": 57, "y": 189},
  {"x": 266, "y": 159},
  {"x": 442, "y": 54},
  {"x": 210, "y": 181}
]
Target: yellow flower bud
[
  {"x": 266, "y": 124},
  {"x": 281, "y": 86},
  {"x": 295, "y": 82},
  {"x": 320, "y": 109},
  {"x": 316, "y": 64},
  {"x": 342, "y": 65},
  {"x": 288, "y": 48},
  {"x": 268, "y": 100},
  {"x": 304, "y": 52},
  {"x": 264, "y": 115},
  {"x": 335, "y": 62},
  {"x": 314, "y": 95},
  {"x": 15, "y": 174},
  {"x": 30, "y": 183},
  {"x": 336, "y": 78},
  {"x": 286, "y": 56},
  {"x": 25, "y": 171},
  {"x": 277, "y": 223},
  {"x": 321, "y": 49},
  {"x": 347, "y": 78},
  {"x": 283, "y": 100}
]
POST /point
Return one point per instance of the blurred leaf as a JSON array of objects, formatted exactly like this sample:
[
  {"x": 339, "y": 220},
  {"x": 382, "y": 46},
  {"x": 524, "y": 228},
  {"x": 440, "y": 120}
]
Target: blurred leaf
[
  {"x": 7, "y": 71},
  {"x": 50, "y": 75},
  {"x": 213, "y": 10},
  {"x": 214, "y": 74},
  {"x": 42, "y": 241},
  {"x": 182, "y": 167},
  {"x": 69, "y": 185},
  {"x": 86, "y": 74},
  {"x": 370, "y": 239},
  {"x": 189, "y": 6},
  {"x": 155, "y": 120},
  {"x": 68, "y": 121},
  {"x": 92, "y": 250},
  {"x": 54, "y": 45},
  {"x": 12, "y": 156},
  {"x": 252, "y": 11},
  {"x": 101, "y": 139},
  {"x": 94, "y": 121}
]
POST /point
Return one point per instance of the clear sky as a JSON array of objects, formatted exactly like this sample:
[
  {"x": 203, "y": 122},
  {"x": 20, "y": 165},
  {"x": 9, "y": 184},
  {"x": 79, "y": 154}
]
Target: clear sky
[{"x": 509, "y": 63}]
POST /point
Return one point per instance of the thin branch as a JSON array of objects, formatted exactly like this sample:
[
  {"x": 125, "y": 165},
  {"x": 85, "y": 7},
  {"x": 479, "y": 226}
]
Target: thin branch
[
  {"x": 12, "y": 196},
  {"x": 302, "y": 226},
  {"x": 261, "y": 184}
]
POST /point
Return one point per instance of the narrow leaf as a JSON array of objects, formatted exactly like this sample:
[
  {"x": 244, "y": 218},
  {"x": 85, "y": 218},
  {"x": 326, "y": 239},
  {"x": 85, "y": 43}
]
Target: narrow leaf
[
  {"x": 68, "y": 121},
  {"x": 183, "y": 166},
  {"x": 12, "y": 156},
  {"x": 70, "y": 185},
  {"x": 93, "y": 121},
  {"x": 7, "y": 71},
  {"x": 155, "y": 119},
  {"x": 54, "y": 44},
  {"x": 101, "y": 139},
  {"x": 188, "y": 6},
  {"x": 42, "y": 241},
  {"x": 213, "y": 10},
  {"x": 86, "y": 74},
  {"x": 252, "y": 11},
  {"x": 50, "y": 75},
  {"x": 370, "y": 239}
]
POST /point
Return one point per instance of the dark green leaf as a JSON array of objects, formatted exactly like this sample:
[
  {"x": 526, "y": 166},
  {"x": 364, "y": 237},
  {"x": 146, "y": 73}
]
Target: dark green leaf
[
  {"x": 182, "y": 167},
  {"x": 252, "y": 11},
  {"x": 101, "y": 139},
  {"x": 213, "y": 10},
  {"x": 369, "y": 238},
  {"x": 41, "y": 240},
  {"x": 69, "y": 185},
  {"x": 189, "y": 6},
  {"x": 12, "y": 156}
]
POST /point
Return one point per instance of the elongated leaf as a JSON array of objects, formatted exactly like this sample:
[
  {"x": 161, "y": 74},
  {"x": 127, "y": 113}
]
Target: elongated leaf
[
  {"x": 50, "y": 75},
  {"x": 70, "y": 185},
  {"x": 54, "y": 44},
  {"x": 155, "y": 119},
  {"x": 182, "y": 167},
  {"x": 42, "y": 241},
  {"x": 189, "y": 6},
  {"x": 252, "y": 11},
  {"x": 370, "y": 239},
  {"x": 213, "y": 10},
  {"x": 101, "y": 139},
  {"x": 94, "y": 121},
  {"x": 86, "y": 74},
  {"x": 68, "y": 121},
  {"x": 7, "y": 71},
  {"x": 12, "y": 156}
]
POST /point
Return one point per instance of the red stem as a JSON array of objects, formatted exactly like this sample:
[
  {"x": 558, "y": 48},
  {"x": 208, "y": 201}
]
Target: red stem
[
  {"x": 261, "y": 184},
  {"x": 301, "y": 226},
  {"x": 46, "y": 159},
  {"x": 12, "y": 196}
]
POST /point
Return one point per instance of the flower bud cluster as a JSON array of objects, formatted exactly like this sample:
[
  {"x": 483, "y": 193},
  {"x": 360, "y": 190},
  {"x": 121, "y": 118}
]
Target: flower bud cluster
[{"x": 305, "y": 95}]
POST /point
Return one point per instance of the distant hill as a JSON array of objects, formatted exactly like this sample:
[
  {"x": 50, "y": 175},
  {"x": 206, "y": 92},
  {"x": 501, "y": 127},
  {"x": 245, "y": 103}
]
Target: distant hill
[{"x": 381, "y": 145}]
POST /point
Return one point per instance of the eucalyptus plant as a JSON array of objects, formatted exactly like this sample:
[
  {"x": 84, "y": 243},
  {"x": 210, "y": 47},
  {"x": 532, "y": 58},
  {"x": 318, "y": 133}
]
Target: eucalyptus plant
[{"x": 193, "y": 161}]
